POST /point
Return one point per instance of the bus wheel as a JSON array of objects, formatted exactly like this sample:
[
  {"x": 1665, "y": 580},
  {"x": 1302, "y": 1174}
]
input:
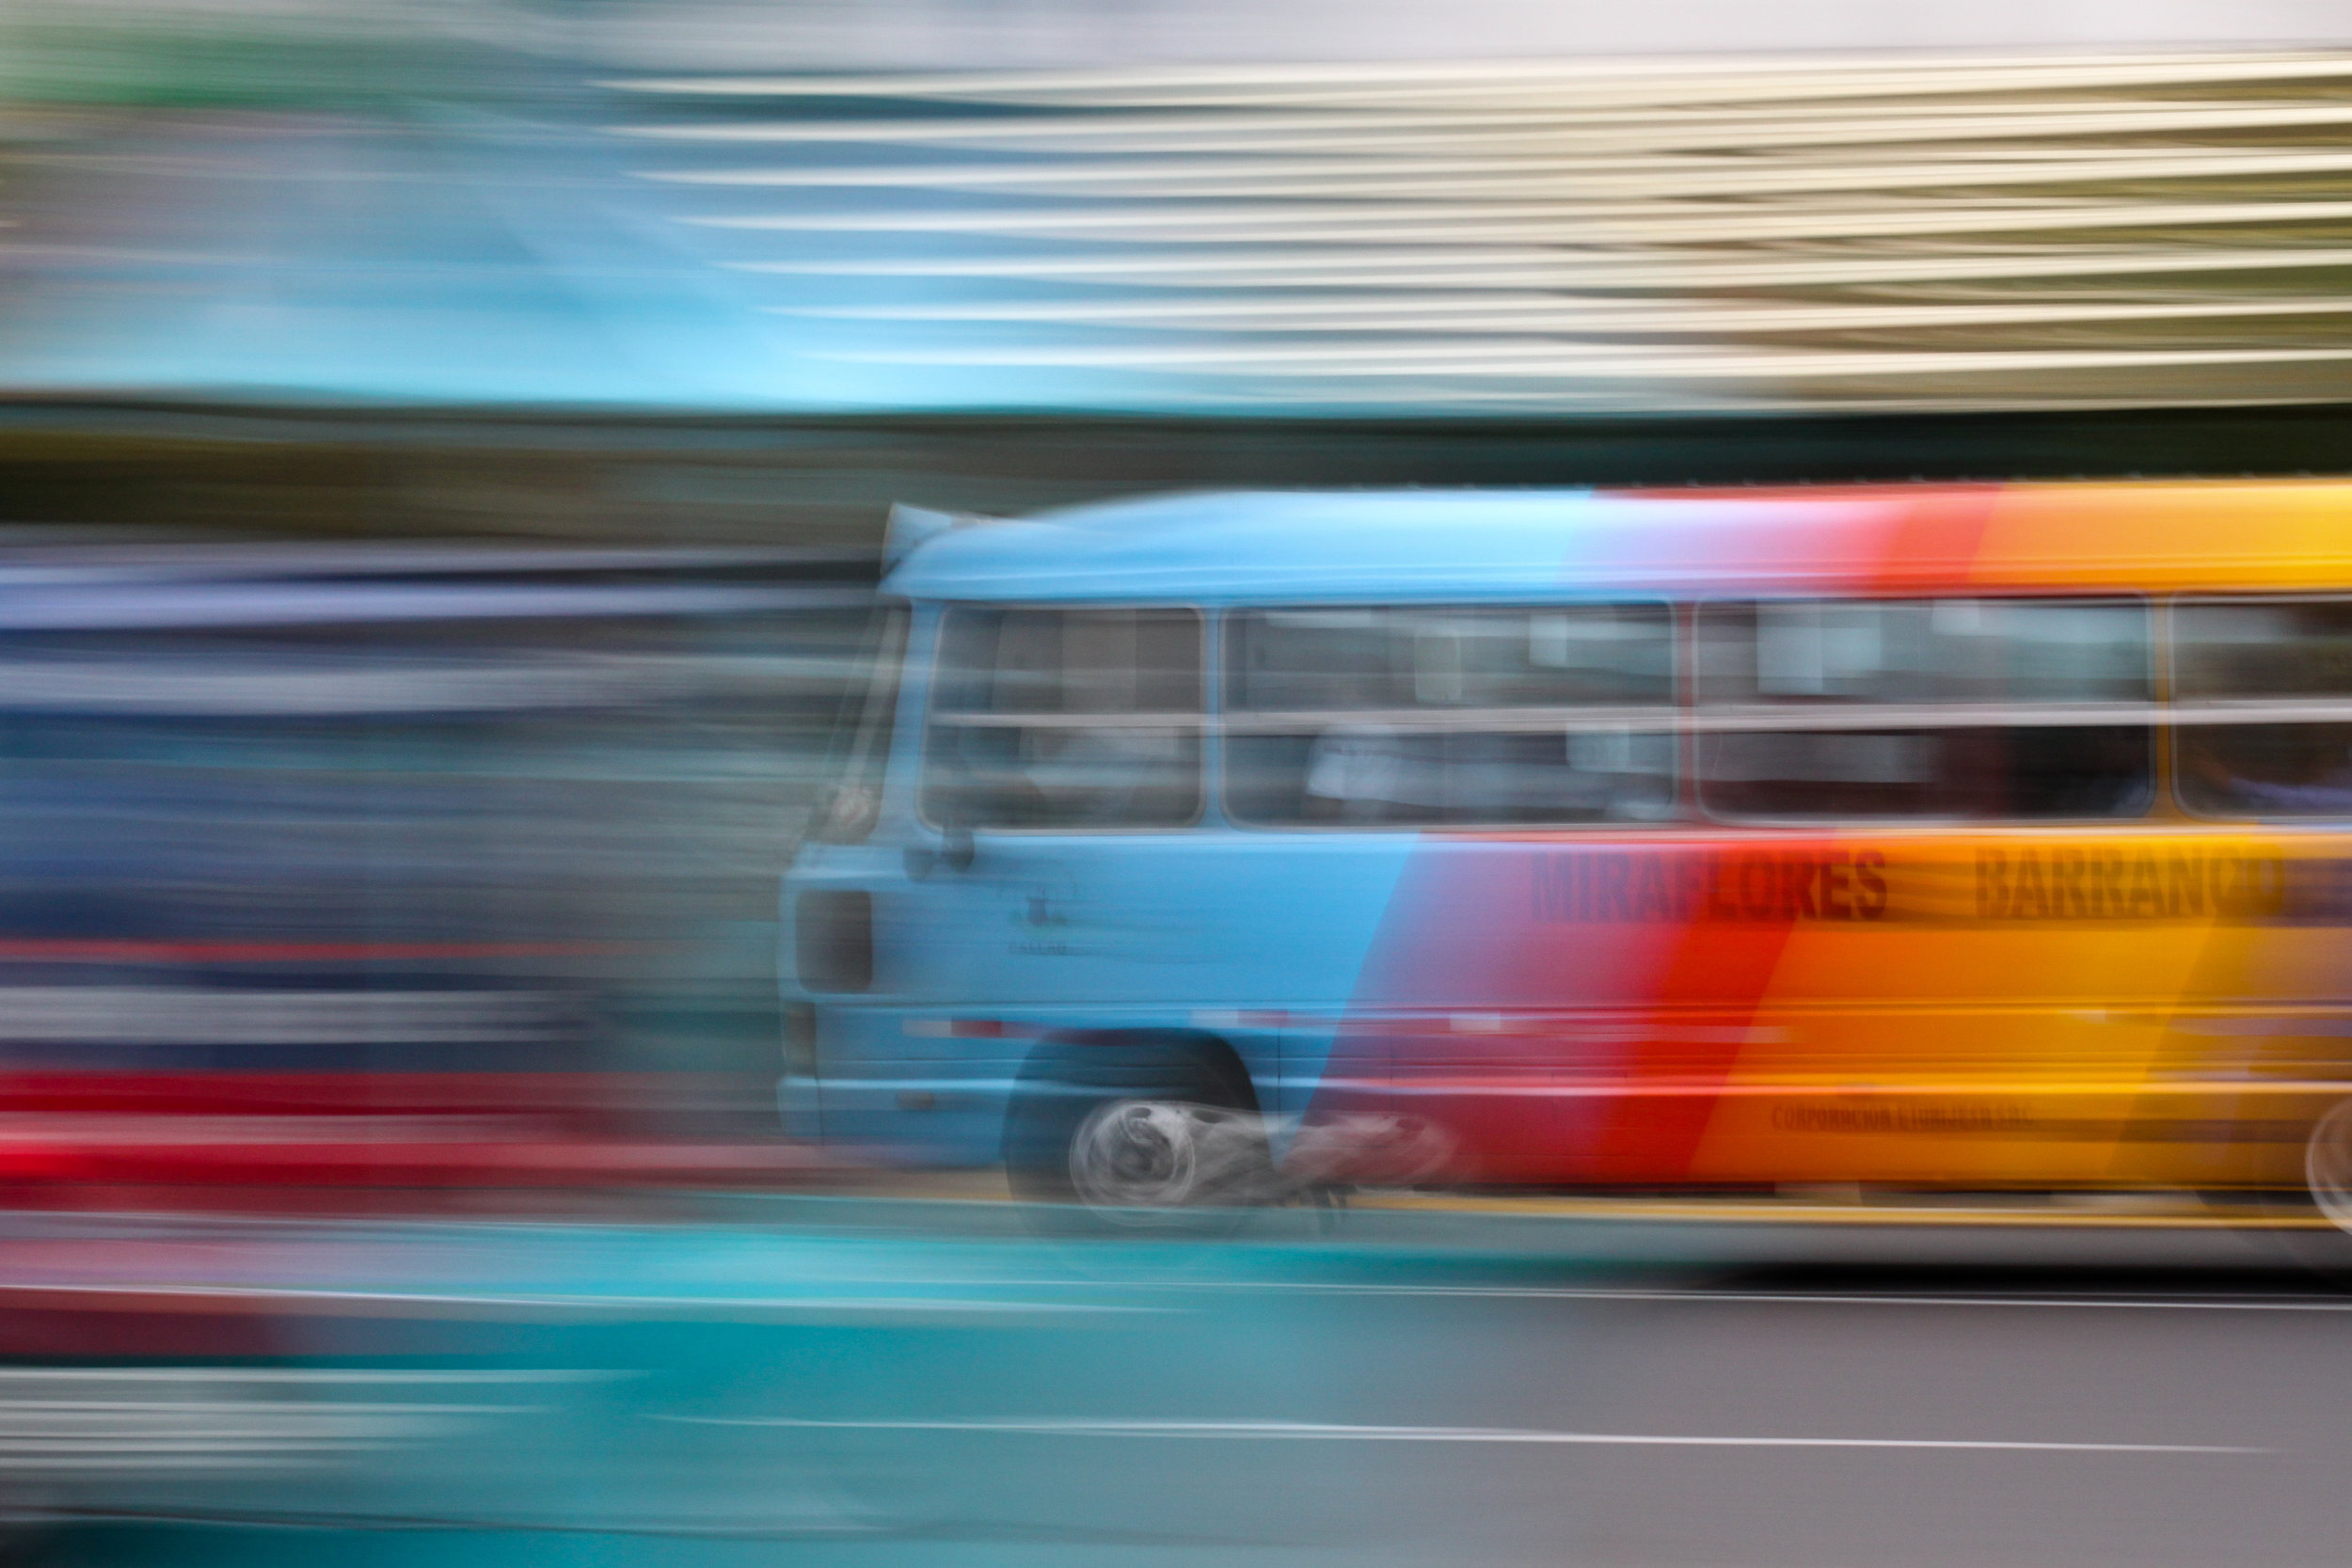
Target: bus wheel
[
  {"x": 2327, "y": 1165},
  {"x": 1127, "y": 1128}
]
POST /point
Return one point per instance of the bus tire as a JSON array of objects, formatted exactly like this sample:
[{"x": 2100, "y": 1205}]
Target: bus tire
[
  {"x": 2327, "y": 1165},
  {"x": 2307, "y": 1227},
  {"x": 1128, "y": 1125}
]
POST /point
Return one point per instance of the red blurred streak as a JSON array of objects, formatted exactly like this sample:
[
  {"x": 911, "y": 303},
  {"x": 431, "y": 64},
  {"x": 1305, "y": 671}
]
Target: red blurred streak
[
  {"x": 218, "y": 1302},
  {"x": 455, "y": 1163},
  {"x": 331, "y": 1093},
  {"x": 87, "y": 1331},
  {"x": 96, "y": 1131}
]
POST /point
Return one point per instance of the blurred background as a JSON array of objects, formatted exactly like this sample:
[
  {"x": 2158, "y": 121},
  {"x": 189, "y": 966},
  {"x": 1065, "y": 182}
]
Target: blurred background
[
  {"x": 443, "y": 445},
  {"x": 444, "y": 452}
]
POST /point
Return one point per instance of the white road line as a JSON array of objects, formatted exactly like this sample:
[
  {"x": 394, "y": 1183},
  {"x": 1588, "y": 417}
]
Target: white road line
[{"x": 1329, "y": 1431}]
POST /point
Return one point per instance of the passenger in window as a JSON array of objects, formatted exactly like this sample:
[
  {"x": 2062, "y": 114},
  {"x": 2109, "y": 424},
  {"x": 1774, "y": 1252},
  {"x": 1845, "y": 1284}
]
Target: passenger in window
[
  {"x": 1583, "y": 776},
  {"x": 1361, "y": 773},
  {"x": 2270, "y": 769},
  {"x": 1113, "y": 771},
  {"x": 2063, "y": 771},
  {"x": 1501, "y": 778},
  {"x": 1365, "y": 772},
  {"x": 1620, "y": 776},
  {"x": 1803, "y": 773},
  {"x": 1111, "y": 774},
  {"x": 980, "y": 776}
]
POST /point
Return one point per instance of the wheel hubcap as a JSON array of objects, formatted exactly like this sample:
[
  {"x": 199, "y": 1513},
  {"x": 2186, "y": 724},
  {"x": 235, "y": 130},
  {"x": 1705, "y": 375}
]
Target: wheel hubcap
[{"x": 1137, "y": 1153}]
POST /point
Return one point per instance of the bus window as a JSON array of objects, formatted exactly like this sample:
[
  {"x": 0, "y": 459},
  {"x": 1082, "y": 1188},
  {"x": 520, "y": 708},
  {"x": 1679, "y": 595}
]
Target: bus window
[
  {"x": 1404, "y": 715},
  {"x": 1843, "y": 698},
  {"x": 1065, "y": 718},
  {"x": 2233, "y": 660}
]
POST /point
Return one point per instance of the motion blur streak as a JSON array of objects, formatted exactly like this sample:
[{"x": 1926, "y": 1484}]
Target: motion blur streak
[{"x": 400, "y": 867}]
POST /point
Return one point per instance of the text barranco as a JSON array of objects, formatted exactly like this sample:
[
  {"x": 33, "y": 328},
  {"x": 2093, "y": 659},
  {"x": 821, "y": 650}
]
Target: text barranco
[{"x": 2059, "y": 882}]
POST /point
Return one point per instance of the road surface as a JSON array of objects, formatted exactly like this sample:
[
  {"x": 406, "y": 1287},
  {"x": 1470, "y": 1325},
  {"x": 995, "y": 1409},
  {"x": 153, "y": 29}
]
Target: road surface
[{"x": 887, "y": 1385}]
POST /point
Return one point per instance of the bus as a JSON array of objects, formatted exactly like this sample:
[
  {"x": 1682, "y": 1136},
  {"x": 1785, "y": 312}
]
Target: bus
[{"x": 1215, "y": 847}]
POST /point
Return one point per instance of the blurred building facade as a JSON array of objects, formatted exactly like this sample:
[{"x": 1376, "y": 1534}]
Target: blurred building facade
[{"x": 812, "y": 209}]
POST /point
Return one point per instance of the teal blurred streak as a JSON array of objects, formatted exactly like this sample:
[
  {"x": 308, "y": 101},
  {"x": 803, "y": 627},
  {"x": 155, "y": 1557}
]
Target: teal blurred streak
[{"x": 864, "y": 1385}]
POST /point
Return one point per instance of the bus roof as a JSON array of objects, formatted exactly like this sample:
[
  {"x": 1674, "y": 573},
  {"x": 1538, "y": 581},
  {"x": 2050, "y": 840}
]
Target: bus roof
[{"x": 1377, "y": 545}]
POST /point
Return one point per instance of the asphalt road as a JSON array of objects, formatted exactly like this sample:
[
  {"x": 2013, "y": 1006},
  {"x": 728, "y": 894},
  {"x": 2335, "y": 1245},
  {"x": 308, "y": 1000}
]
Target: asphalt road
[
  {"x": 973, "y": 1394},
  {"x": 1862, "y": 1419}
]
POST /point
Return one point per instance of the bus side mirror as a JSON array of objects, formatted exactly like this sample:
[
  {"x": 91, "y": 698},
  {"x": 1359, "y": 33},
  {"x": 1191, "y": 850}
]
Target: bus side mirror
[{"x": 846, "y": 815}]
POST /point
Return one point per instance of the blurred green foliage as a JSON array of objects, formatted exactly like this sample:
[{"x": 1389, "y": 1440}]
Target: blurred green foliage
[{"x": 156, "y": 56}]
